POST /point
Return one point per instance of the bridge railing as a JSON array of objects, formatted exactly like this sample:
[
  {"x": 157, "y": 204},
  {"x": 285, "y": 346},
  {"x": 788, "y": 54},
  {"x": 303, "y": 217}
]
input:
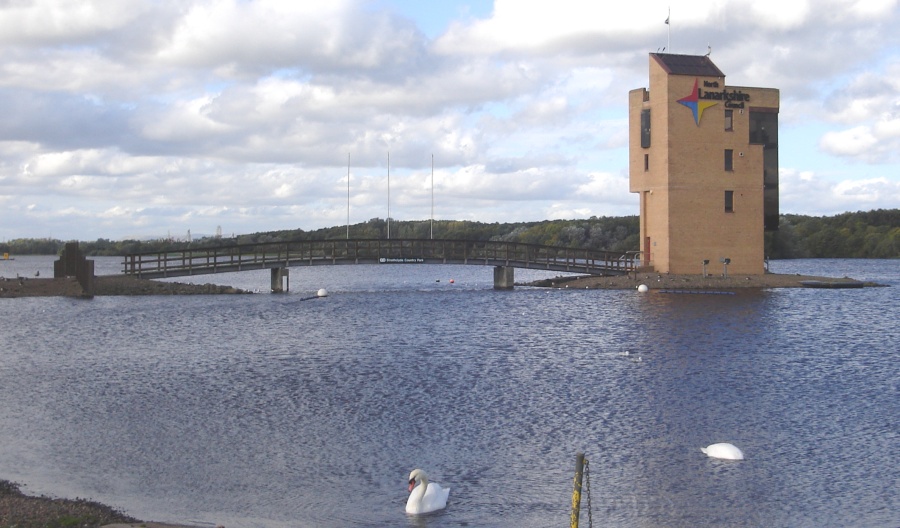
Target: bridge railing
[{"x": 240, "y": 257}]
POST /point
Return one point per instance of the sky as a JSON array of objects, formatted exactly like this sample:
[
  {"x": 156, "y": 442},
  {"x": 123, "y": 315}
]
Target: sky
[{"x": 189, "y": 118}]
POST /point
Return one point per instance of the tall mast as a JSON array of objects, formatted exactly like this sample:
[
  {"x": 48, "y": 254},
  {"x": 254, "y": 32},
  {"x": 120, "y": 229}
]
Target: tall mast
[
  {"x": 432, "y": 196},
  {"x": 389, "y": 197},
  {"x": 348, "y": 196}
]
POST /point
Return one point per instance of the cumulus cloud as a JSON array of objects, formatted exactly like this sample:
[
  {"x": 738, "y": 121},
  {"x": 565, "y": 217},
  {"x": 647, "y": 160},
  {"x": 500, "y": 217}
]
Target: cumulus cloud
[
  {"x": 857, "y": 141},
  {"x": 870, "y": 104},
  {"x": 810, "y": 193},
  {"x": 876, "y": 143},
  {"x": 157, "y": 117}
]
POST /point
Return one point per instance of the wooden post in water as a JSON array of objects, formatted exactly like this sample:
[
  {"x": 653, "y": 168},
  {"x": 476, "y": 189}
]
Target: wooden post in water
[{"x": 576, "y": 492}]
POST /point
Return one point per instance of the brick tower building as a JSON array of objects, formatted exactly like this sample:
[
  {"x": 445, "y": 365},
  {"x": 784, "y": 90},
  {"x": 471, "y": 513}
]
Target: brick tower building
[{"x": 703, "y": 156}]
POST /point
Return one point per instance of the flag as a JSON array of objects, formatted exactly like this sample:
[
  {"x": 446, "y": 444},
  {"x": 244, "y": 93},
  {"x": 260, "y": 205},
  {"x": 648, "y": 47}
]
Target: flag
[{"x": 667, "y": 20}]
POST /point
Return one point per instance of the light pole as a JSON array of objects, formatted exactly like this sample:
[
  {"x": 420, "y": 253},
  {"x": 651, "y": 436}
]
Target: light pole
[
  {"x": 348, "y": 196},
  {"x": 432, "y": 197},
  {"x": 389, "y": 197}
]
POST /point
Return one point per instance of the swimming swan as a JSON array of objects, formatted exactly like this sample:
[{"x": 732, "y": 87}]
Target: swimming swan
[
  {"x": 723, "y": 450},
  {"x": 427, "y": 496}
]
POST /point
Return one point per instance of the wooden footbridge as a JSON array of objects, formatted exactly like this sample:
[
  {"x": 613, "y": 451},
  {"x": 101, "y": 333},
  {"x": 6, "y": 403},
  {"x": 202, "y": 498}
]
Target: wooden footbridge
[{"x": 278, "y": 256}]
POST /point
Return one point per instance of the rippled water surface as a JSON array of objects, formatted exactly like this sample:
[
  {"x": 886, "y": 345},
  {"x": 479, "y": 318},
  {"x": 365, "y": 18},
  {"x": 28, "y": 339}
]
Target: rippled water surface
[{"x": 270, "y": 410}]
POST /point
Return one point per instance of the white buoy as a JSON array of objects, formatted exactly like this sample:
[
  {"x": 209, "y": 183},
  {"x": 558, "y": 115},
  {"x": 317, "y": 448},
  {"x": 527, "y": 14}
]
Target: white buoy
[
  {"x": 643, "y": 288},
  {"x": 724, "y": 451},
  {"x": 322, "y": 292}
]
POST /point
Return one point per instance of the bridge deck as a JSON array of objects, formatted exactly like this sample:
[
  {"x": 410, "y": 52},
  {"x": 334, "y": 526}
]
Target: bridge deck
[{"x": 243, "y": 257}]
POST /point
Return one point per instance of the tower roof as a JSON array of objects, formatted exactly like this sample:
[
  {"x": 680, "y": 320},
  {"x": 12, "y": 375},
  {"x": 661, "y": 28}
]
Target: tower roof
[{"x": 687, "y": 65}]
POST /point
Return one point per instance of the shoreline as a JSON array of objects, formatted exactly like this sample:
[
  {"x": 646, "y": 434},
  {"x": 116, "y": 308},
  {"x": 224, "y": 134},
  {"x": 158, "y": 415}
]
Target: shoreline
[
  {"x": 27, "y": 511},
  {"x": 108, "y": 285},
  {"x": 105, "y": 285},
  {"x": 664, "y": 281},
  {"x": 20, "y": 510}
]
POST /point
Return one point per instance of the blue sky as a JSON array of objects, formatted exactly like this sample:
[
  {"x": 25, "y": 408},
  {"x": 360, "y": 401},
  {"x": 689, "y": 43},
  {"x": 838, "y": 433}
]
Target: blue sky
[
  {"x": 434, "y": 17},
  {"x": 161, "y": 117}
]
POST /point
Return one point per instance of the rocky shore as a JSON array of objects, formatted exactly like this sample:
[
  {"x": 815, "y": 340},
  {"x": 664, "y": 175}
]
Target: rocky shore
[
  {"x": 106, "y": 285},
  {"x": 18, "y": 510},
  {"x": 129, "y": 285},
  {"x": 656, "y": 281},
  {"x": 24, "y": 511}
]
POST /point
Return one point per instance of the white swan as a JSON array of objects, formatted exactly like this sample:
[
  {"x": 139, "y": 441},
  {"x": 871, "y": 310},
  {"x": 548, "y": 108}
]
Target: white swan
[
  {"x": 723, "y": 450},
  {"x": 427, "y": 496}
]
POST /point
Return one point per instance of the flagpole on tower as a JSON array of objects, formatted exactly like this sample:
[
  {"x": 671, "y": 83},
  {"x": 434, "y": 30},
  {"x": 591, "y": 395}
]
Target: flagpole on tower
[{"x": 669, "y": 31}]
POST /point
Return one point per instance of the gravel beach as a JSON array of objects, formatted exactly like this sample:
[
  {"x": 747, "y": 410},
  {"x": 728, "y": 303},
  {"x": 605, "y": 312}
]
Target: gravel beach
[
  {"x": 23, "y": 511},
  {"x": 19, "y": 510}
]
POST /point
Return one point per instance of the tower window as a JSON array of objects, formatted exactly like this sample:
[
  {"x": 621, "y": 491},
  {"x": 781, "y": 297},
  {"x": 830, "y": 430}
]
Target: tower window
[
  {"x": 729, "y": 201},
  {"x": 729, "y": 120},
  {"x": 645, "y": 128},
  {"x": 764, "y": 128},
  {"x": 729, "y": 160},
  {"x": 646, "y": 162}
]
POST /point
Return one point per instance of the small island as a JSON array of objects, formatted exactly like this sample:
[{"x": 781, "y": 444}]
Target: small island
[{"x": 670, "y": 282}]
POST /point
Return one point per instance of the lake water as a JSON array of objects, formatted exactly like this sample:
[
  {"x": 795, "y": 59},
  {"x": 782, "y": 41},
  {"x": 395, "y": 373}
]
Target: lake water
[{"x": 275, "y": 411}]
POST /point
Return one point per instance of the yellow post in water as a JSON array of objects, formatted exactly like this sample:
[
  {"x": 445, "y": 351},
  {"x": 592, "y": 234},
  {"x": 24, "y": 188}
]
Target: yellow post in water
[{"x": 576, "y": 492}]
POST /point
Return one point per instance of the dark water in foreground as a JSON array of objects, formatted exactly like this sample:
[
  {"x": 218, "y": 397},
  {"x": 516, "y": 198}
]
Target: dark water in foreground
[{"x": 266, "y": 410}]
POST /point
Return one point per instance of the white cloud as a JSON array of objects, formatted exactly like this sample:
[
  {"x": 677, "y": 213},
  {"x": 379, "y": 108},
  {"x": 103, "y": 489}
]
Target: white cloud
[
  {"x": 856, "y": 141},
  {"x": 157, "y": 116},
  {"x": 602, "y": 186},
  {"x": 868, "y": 191},
  {"x": 184, "y": 121},
  {"x": 875, "y": 143},
  {"x": 60, "y": 21},
  {"x": 805, "y": 192},
  {"x": 790, "y": 15},
  {"x": 870, "y": 105}
]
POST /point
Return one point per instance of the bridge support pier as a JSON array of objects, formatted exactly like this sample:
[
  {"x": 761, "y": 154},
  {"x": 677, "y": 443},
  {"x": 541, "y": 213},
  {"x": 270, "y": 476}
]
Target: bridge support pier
[
  {"x": 504, "y": 277},
  {"x": 280, "y": 280}
]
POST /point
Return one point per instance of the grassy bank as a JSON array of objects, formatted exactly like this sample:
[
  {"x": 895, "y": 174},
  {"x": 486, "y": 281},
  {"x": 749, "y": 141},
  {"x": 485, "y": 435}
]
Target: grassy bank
[{"x": 23, "y": 511}]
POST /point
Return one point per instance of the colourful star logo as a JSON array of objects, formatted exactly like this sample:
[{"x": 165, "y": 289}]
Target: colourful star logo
[{"x": 696, "y": 105}]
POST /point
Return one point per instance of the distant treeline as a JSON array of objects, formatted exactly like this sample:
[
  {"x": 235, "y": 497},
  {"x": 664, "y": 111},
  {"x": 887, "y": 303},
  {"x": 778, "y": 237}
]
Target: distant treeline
[{"x": 871, "y": 234}]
